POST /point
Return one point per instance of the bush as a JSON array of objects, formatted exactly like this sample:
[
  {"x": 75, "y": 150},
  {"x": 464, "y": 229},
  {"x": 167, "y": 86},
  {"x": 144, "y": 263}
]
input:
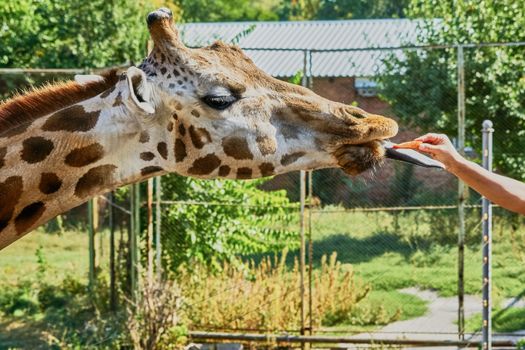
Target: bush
[
  {"x": 234, "y": 218},
  {"x": 267, "y": 296},
  {"x": 19, "y": 300},
  {"x": 154, "y": 320}
]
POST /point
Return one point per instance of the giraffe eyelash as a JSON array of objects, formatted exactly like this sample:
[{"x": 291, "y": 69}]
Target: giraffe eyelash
[{"x": 219, "y": 102}]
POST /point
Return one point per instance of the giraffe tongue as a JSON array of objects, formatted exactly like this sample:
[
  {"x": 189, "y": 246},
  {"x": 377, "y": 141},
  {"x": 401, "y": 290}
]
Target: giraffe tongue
[{"x": 410, "y": 156}]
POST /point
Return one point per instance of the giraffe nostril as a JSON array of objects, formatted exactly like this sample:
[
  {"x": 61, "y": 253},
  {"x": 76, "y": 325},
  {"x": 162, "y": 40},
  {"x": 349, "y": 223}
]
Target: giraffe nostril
[
  {"x": 350, "y": 112},
  {"x": 358, "y": 114}
]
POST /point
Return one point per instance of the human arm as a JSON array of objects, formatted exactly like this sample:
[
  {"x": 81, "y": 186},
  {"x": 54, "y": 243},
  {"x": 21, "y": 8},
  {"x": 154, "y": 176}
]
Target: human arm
[{"x": 501, "y": 190}]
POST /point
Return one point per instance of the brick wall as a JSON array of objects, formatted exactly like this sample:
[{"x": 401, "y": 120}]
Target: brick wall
[{"x": 342, "y": 90}]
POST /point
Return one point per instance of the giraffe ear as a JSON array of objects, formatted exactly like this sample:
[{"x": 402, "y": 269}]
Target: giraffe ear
[{"x": 140, "y": 90}]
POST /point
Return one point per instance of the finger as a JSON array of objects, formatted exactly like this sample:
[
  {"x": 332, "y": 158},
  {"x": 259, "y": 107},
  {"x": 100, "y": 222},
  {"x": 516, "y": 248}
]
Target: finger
[
  {"x": 432, "y": 138},
  {"x": 422, "y": 138},
  {"x": 429, "y": 148}
]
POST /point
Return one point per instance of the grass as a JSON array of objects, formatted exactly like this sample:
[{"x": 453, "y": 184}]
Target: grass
[
  {"x": 391, "y": 258},
  {"x": 510, "y": 320},
  {"x": 64, "y": 255},
  {"x": 408, "y": 306},
  {"x": 384, "y": 251}
]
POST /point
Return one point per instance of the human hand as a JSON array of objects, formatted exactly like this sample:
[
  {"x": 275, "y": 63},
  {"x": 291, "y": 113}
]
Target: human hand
[{"x": 440, "y": 148}]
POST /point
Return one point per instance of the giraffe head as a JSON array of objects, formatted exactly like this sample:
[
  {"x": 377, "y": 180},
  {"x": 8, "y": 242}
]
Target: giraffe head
[{"x": 230, "y": 119}]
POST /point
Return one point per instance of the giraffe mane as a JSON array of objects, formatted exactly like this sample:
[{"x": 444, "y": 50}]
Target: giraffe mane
[{"x": 37, "y": 102}]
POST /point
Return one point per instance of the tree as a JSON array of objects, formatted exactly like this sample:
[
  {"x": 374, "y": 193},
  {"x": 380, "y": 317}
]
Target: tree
[
  {"x": 226, "y": 10},
  {"x": 341, "y": 9},
  {"x": 75, "y": 33},
  {"x": 421, "y": 87}
]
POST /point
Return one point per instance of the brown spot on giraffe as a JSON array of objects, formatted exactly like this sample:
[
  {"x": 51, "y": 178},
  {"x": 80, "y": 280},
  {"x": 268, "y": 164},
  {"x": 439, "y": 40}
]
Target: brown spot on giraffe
[
  {"x": 3, "y": 152},
  {"x": 237, "y": 147},
  {"x": 85, "y": 155},
  {"x": 266, "y": 145},
  {"x": 95, "y": 180},
  {"x": 118, "y": 100},
  {"x": 169, "y": 127},
  {"x": 150, "y": 170},
  {"x": 11, "y": 190},
  {"x": 15, "y": 130},
  {"x": 244, "y": 173},
  {"x": 162, "y": 148},
  {"x": 205, "y": 165},
  {"x": 267, "y": 169},
  {"x": 288, "y": 159},
  {"x": 180, "y": 150},
  {"x": 29, "y": 216},
  {"x": 195, "y": 113},
  {"x": 224, "y": 171},
  {"x": 147, "y": 156},
  {"x": 290, "y": 131},
  {"x": 182, "y": 130},
  {"x": 108, "y": 92},
  {"x": 36, "y": 149},
  {"x": 144, "y": 137},
  {"x": 199, "y": 137},
  {"x": 17, "y": 114},
  {"x": 49, "y": 183},
  {"x": 72, "y": 119}
]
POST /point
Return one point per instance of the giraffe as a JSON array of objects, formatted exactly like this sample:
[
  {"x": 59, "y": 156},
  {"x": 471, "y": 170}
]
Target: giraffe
[{"x": 207, "y": 113}]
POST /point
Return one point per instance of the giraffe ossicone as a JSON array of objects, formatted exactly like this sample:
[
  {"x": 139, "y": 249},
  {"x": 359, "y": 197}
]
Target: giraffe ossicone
[{"x": 207, "y": 113}]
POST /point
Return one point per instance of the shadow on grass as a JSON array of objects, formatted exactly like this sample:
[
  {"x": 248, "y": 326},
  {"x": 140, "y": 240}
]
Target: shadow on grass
[
  {"x": 19, "y": 334},
  {"x": 353, "y": 250}
]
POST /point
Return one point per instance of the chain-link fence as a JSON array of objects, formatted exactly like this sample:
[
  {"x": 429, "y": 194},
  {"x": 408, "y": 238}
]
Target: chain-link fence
[
  {"x": 380, "y": 255},
  {"x": 394, "y": 252}
]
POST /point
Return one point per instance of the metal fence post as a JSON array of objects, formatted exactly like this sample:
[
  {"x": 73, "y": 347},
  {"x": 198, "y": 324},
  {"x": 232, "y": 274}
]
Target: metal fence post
[
  {"x": 310, "y": 83},
  {"x": 112, "y": 275},
  {"x": 91, "y": 244},
  {"x": 487, "y": 241},
  {"x": 158, "y": 223},
  {"x": 302, "y": 221},
  {"x": 133, "y": 242},
  {"x": 462, "y": 194},
  {"x": 302, "y": 260},
  {"x": 149, "y": 238}
]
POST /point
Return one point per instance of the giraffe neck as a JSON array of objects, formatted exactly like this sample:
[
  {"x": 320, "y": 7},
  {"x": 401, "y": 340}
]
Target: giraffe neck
[{"x": 65, "y": 158}]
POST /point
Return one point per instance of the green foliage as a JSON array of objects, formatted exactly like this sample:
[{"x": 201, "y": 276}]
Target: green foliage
[
  {"x": 340, "y": 9},
  {"x": 76, "y": 33},
  {"x": 421, "y": 87},
  {"x": 226, "y": 10},
  {"x": 237, "y": 219},
  {"x": 271, "y": 10}
]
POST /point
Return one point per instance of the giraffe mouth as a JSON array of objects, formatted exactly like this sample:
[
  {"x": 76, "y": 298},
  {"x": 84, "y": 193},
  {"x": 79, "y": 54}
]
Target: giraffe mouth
[{"x": 355, "y": 159}]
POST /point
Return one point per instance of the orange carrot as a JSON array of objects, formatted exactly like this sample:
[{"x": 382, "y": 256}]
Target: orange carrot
[{"x": 409, "y": 145}]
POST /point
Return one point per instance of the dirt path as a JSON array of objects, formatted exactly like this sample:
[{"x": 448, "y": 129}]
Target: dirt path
[{"x": 437, "y": 324}]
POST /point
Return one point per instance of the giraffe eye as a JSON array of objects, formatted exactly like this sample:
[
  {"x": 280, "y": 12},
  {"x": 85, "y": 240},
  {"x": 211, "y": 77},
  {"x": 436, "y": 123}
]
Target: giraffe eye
[{"x": 219, "y": 102}]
